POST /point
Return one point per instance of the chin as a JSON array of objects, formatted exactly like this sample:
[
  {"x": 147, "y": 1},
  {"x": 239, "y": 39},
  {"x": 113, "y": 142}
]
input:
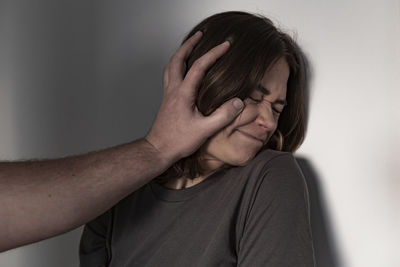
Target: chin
[{"x": 240, "y": 160}]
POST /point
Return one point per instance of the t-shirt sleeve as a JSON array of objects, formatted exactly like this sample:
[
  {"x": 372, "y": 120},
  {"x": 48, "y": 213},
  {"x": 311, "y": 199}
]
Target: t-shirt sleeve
[
  {"x": 277, "y": 228},
  {"x": 93, "y": 247}
]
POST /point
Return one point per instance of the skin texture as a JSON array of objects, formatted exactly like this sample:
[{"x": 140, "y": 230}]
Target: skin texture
[
  {"x": 232, "y": 145},
  {"x": 41, "y": 199}
]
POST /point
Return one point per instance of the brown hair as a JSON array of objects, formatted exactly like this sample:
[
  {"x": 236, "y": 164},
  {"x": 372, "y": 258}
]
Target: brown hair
[{"x": 256, "y": 45}]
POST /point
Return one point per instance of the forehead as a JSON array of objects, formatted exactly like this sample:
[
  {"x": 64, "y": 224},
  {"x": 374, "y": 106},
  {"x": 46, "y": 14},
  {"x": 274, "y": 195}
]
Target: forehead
[{"x": 275, "y": 78}]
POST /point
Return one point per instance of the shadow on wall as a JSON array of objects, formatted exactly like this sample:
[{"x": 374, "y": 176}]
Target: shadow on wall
[{"x": 326, "y": 254}]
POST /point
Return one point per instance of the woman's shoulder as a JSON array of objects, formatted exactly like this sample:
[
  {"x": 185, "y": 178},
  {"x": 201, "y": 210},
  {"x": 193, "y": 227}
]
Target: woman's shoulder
[
  {"x": 272, "y": 159},
  {"x": 267, "y": 155},
  {"x": 271, "y": 166},
  {"x": 271, "y": 182}
]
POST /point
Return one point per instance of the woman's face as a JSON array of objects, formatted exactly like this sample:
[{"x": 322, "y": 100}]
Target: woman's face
[{"x": 239, "y": 142}]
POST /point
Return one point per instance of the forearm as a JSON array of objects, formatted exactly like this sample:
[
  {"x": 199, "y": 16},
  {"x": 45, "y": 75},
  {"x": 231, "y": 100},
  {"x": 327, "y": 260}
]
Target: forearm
[
  {"x": 45, "y": 198},
  {"x": 42, "y": 199}
]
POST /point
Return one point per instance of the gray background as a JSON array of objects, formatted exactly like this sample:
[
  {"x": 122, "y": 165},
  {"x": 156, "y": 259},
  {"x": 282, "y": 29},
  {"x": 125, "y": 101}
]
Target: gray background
[{"x": 78, "y": 76}]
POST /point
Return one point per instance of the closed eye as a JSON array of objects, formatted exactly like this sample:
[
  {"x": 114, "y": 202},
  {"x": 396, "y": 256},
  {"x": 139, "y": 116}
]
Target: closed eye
[
  {"x": 260, "y": 100},
  {"x": 277, "y": 111},
  {"x": 256, "y": 100}
]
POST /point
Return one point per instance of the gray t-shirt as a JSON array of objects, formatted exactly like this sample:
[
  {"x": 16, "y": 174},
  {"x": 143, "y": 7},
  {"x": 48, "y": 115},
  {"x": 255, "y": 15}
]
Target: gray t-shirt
[{"x": 255, "y": 215}]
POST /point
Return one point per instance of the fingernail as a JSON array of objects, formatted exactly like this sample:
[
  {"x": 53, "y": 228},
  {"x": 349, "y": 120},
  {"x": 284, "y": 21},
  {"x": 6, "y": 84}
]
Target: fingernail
[
  {"x": 238, "y": 104},
  {"x": 199, "y": 33},
  {"x": 230, "y": 40},
  {"x": 226, "y": 43}
]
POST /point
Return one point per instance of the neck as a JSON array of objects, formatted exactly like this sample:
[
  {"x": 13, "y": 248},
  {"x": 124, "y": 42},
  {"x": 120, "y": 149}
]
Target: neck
[{"x": 209, "y": 165}]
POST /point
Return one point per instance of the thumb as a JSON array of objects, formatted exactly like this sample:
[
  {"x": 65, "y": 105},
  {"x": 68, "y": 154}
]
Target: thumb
[{"x": 223, "y": 115}]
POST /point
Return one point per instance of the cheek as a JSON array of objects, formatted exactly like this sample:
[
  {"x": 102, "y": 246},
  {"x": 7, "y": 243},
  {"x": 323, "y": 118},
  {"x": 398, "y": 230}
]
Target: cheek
[
  {"x": 232, "y": 148},
  {"x": 248, "y": 115}
]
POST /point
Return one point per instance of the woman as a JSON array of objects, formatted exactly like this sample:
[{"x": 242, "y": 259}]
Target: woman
[{"x": 241, "y": 199}]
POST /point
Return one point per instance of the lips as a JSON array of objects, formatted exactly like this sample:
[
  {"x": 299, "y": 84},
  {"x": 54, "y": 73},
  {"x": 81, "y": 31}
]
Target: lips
[{"x": 251, "y": 136}]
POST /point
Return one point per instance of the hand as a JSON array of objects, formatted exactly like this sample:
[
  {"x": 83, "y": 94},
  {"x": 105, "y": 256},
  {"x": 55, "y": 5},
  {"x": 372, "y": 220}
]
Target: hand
[{"x": 179, "y": 128}]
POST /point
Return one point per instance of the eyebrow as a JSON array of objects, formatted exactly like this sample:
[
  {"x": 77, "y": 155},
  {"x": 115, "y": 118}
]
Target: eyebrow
[{"x": 265, "y": 91}]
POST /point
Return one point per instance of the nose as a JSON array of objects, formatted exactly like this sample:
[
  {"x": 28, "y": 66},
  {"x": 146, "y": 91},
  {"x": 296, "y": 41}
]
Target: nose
[{"x": 266, "y": 117}]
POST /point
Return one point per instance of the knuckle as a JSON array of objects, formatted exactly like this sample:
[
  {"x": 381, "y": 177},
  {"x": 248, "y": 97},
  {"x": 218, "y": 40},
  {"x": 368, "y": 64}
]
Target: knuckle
[
  {"x": 199, "y": 64},
  {"x": 225, "y": 116},
  {"x": 171, "y": 60},
  {"x": 175, "y": 58}
]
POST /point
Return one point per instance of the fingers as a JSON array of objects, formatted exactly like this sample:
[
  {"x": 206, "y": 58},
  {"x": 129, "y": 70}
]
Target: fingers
[
  {"x": 223, "y": 115},
  {"x": 200, "y": 66},
  {"x": 177, "y": 66}
]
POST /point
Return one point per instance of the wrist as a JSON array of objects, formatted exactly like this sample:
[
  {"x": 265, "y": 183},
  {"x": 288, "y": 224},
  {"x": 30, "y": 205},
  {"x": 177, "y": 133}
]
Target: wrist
[{"x": 166, "y": 156}]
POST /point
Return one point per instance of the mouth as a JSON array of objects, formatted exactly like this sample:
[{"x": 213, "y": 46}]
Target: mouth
[{"x": 250, "y": 136}]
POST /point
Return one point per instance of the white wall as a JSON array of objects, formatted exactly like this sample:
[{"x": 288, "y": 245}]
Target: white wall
[{"x": 76, "y": 77}]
